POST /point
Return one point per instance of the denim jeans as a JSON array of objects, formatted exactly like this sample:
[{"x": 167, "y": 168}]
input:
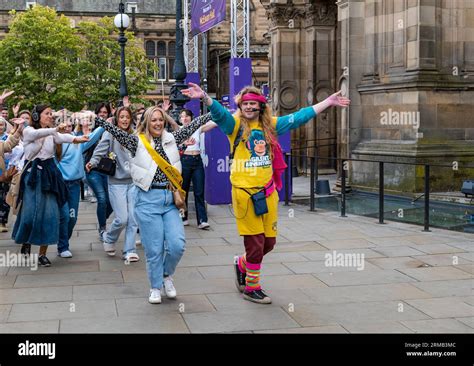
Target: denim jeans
[
  {"x": 122, "y": 199},
  {"x": 193, "y": 170},
  {"x": 68, "y": 214},
  {"x": 160, "y": 223},
  {"x": 99, "y": 184}
]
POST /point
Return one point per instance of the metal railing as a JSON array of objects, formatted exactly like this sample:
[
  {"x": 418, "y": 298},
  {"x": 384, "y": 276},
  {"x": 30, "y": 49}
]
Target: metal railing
[{"x": 381, "y": 185}]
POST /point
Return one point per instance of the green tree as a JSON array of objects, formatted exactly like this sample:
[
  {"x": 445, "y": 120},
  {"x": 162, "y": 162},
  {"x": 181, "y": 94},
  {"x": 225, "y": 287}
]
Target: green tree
[
  {"x": 45, "y": 60},
  {"x": 99, "y": 68},
  {"x": 38, "y": 58}
]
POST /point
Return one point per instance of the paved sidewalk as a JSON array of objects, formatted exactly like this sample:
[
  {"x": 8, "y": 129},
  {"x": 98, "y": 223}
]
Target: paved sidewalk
[{"x": 410, "y": 282}]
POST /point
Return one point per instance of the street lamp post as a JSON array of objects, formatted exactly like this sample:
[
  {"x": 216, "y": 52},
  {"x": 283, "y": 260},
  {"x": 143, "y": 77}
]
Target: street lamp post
[
  {"x": 122, "y": 21},
  {"x": 179, "y": 68}
]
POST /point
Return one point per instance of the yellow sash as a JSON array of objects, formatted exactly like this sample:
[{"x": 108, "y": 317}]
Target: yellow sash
[{"x": 170, "y": 171}]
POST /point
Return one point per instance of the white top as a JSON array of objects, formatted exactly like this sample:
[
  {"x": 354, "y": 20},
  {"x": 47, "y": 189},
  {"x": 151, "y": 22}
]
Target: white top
[
  {"x": 197, "y": 145},
  {"x": 40, "y": 143}
]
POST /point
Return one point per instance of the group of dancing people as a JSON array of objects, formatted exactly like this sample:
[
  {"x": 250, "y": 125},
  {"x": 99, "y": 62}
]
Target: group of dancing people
[{"x": 156, "y": 159}]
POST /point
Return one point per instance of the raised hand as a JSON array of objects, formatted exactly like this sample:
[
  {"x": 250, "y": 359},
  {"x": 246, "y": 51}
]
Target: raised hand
[
  {"x": 337, "y": 101},
  {"x": 61, "y": 128},
  {"x": 194, "y": 91},
  {"x": 16, "y": 109},
  {"x": 5, "y": 95},
  {"x": 166, "y": 105},
  {"x": 126, "y": 101}
]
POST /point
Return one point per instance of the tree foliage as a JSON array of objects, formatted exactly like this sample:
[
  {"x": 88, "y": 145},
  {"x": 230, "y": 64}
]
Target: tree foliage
[{"x": 45, "y": 60}]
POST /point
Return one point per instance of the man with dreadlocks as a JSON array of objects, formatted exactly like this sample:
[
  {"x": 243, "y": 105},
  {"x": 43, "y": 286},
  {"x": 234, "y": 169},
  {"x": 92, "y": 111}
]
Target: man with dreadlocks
[{"x": 255, "y": 173}]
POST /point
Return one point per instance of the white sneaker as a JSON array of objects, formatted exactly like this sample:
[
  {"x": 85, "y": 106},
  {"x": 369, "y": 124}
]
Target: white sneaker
[
  {"x": 65, "y": 254},
  {"x": 109, "y": 249},
  {"x": 92, "y": 199},
  {"x": 169, "y": 287},
  {"x": 186, "y": 223},
  {"x": 204, "y": 226},
  {"x": 155, "y": 296}
]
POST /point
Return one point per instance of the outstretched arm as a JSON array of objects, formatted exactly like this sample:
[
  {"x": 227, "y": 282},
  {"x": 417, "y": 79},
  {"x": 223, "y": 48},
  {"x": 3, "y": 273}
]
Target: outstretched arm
[
  {"x": 219, "y": 114},
  {"x": 128, "y": 141},
  {"x": 297, "y": 119},
  {"x": 186, "y": 132}
]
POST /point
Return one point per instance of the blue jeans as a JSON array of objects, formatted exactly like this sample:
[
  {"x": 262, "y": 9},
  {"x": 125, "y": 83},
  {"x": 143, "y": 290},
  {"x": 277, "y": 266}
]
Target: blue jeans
[
  {"x": 122, "y": 199},
  {"x": 193, "y": 170},
  {"x": 99, "y": 184},
  {"x": 159, "y": 221},
  {"x": 68, "y": 214}
]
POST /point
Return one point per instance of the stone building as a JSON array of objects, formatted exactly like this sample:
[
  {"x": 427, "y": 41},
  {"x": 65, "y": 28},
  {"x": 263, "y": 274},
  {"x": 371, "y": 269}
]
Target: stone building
[
  {"x": 154, "y": 23},
  {"x": 407, "y": 65}
]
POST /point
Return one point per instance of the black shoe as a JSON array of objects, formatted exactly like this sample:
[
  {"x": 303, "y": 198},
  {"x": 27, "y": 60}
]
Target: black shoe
[
  {"x": 44, "y": 261},
  {"x": 240, "y": 276},
  {"x": 25, "y": 249},
  {"x": 257, "y": 296}
]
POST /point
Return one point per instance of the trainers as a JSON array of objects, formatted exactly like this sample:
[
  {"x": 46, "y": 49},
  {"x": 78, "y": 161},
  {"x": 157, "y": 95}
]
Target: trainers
[
  {"x": 3, "y": 228},
  {"x": 204, "y": 226},
  {"x": 155, "y": 296},
  {"x": 65, "y": 254},
  {"x": 185, "y": 222},
  {"x": 92, "y": 199},
  {"x": 257, "y": 296},
  {"x": 169, "y": 288},
  {"x": 109, "y": 249},
  {"x": 131, "y": 257},
  {"x": 240, "y": 276},
  {"x": 43, "y": 261},
  {"x": 25, "y": 249}
]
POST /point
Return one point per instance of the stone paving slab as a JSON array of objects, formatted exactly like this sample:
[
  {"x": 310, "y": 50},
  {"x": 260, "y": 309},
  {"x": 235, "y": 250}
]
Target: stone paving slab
[
  {"x": 321, "y": 267},
  {"x": 365, "y": 293},
  {"x": 168, "y": 323},
  {"x": 359, "y": 313},
  {"x": 363, "y": 277},
  {"x": 435, "y": 273},
  {"x": 438, "y": 249},
  {"x": 32, "y": 295},
  {"x": 437, "y": 326},
  {"x": 231, "y": 321},
  {"x": 443, "y": 307},
  {"x": 44, "y": 326},
  {"x": 442, "y": 260},
  {"x": 381, "y": 327},
  {"x": 110, "y": 291},
  {"x": 446, "y": 288},
  {"x": 397, "y": 262},
  {"x": 4, "y": 311},
  {"x": 67, "y": 279},
  {"x": 62, "y": 310},
  {"x": 186, "y": 304},
  {"x": 306, "y": 330}
]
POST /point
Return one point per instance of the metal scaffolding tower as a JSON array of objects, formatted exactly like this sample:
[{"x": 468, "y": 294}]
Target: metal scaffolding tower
[
  {"x": 191, "y": 43},
  {"x": 239, "y": 28}
]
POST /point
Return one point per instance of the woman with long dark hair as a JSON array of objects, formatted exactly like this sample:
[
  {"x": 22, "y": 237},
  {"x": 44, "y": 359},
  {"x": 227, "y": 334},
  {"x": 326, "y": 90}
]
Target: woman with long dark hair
[{"x": 42, "y": 187}]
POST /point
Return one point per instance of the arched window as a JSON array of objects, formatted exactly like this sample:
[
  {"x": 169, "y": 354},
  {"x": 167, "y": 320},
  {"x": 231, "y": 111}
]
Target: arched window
[
  {"x": 163, "y": 56},
  {"x": 150, "y": 48}
]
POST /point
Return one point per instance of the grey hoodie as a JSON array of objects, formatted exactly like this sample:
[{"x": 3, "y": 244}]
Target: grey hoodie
[{"x": 107, "y": 144}]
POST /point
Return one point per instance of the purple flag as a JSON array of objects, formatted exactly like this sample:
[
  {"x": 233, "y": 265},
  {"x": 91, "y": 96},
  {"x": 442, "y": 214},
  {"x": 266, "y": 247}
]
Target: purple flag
[{"x": 205, "y": 14}]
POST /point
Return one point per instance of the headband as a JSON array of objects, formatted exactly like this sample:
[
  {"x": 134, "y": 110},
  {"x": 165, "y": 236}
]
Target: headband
[{"x": 254, "y": 97}]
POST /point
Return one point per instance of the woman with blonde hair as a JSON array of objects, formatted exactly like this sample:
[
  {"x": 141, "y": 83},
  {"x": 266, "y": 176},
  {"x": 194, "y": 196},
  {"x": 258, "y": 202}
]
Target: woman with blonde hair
[
  {"x": 253, "y": 137},
  {"x": 155, "y": 169}
]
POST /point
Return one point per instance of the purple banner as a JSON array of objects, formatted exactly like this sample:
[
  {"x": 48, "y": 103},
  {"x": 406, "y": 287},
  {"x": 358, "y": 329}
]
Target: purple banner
[
  {"x": 206, "y": 14},
  {"x": 240, "y": 76}
]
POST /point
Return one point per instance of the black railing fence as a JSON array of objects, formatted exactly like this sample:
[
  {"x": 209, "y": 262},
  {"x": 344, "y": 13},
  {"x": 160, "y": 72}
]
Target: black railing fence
[{"x": 381, "y": 184}]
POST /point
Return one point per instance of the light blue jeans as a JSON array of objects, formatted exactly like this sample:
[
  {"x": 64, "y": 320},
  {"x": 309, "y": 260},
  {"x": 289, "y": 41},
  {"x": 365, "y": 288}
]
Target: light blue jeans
[
  {"x": 159, "y": 222},
  {"x": 122, "y": 199}
]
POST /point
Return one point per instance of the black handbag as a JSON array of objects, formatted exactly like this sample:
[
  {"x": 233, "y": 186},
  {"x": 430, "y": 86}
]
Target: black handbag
[{"x": 107, "y": 166}]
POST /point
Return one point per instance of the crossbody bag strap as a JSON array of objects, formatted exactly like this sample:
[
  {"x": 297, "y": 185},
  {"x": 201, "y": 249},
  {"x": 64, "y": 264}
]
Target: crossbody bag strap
[
  {"x": 237, "y": 140},
  {"x": 170, "y": 171}
]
